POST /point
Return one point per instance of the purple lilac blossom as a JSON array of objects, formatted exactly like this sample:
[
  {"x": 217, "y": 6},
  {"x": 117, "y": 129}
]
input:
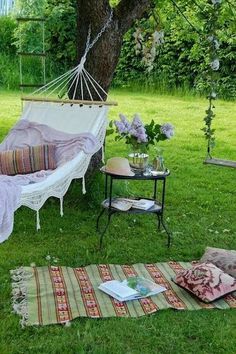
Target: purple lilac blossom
[
  {"x": 141, "y": 134},
  {"x": 133, "y": 132},
  {"x": 136, "y": 123},
  {"x": 120, "y": 127},
  {"x": 123, "y": 126},
  {"x": 168, "y": 130},
  {"x": 125, "y": 121},
  {"x": 142, "y": 138},
  {"x": 137, "y": 129}
]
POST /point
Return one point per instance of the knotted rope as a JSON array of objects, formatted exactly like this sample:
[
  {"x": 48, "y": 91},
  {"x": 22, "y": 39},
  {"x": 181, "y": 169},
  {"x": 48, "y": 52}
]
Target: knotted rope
[{"x": 78, "y": 76}]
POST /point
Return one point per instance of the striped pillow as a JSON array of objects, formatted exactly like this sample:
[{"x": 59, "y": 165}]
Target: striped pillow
[{"x": 28, "y": 160}]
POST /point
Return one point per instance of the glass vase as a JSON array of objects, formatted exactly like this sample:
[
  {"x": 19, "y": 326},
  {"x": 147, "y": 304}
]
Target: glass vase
[
  {"x": 138, "y": 160},
  {"x": 158, "y": 161}
]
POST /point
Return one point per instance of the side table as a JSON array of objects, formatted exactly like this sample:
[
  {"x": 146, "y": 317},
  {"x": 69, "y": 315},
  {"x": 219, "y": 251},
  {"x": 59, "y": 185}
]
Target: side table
[{"x": 158, "y": 198}]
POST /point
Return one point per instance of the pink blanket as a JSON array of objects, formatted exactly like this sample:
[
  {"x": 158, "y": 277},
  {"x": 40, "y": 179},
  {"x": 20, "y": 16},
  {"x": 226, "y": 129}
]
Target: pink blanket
[
  {"x": 10, "y": 193},
  {"x": 26, "y": 133}
]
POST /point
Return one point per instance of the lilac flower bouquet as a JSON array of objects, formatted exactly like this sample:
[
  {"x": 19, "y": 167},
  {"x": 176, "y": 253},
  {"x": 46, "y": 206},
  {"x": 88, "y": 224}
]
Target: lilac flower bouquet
[{"x": 138, "y": 135}]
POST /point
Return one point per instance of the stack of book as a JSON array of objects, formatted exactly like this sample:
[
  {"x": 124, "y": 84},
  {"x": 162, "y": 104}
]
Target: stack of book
[{"x": 125, "y": 204}]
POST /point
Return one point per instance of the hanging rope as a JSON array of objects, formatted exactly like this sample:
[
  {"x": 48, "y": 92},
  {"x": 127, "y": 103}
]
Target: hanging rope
[
  {"x": 107, "y": 24},
  {"x": 77, "y": 77}
]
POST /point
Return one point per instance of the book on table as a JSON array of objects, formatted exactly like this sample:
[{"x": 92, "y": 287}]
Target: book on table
[
  {"x": 120, "y": 204},
  {"x": 132, "y": 288},
  {"x": 124, "y": 204},
  {"x": 143, "y": 204}
]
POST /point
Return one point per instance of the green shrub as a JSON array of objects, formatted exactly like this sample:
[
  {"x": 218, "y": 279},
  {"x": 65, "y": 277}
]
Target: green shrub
[
  {"x": 9, "y": 73},
  {"x": 182, "y": 62},
  {"x": 32, "y": 71},
  {"x": 7, "y": 28},
  {"x": 61, "y": 31}
]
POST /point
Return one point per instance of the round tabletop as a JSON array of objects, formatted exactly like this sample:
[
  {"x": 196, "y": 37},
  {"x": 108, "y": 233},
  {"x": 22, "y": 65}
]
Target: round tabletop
[{"x": 141, "y": 175}]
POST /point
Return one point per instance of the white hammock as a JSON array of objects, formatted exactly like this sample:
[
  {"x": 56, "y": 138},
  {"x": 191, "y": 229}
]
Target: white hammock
[
  {"x": 70, "y": 119},
  {"x": 55, "y": 105}
]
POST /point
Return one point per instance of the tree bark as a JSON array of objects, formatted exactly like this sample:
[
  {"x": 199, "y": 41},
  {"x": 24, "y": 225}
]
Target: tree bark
[{"x": 102, "y": 59}]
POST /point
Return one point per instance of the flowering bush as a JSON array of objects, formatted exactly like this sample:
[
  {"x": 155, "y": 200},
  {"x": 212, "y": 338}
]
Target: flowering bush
[{"x": 139, "y": 135}]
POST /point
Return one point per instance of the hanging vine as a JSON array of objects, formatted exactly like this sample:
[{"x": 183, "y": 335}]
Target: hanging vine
[{"x": 211, "y": 14}]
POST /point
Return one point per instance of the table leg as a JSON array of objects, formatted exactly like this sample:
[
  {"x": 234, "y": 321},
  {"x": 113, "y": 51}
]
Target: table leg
[
  {"x": 155, "y": 190},
  {"x": 161, "y": 222},
  {"x": 98, "y": 218},
  {"x": 102, "y": 233}
]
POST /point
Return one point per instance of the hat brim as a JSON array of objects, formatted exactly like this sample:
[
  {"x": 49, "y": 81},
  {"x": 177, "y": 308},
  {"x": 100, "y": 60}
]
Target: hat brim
[{"x": 105, "y": 169}]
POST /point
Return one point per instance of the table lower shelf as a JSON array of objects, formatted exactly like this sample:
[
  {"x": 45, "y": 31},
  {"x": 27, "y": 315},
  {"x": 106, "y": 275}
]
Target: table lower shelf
[{"x": 123, "y": 205}]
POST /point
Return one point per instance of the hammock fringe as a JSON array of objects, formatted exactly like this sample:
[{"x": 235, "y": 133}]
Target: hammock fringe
[
  {"x": 61, "y": 207},
  {"x": 84, "y": 188}
]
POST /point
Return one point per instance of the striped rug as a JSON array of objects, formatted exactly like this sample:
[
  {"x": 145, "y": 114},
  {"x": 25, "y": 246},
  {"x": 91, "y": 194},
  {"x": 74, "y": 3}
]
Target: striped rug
[{"x": 46, "y": 295}]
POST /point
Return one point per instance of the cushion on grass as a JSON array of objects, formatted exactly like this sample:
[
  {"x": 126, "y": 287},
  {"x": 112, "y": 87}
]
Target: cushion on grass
[
  {"x": 28, "y": 160},
  {"x": 223, "y": 259},
  {"x": 206, "y": 281}
]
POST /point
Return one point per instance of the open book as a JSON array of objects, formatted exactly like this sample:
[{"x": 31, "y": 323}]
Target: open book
[
  {"x": 125, "y": 204},
  {"x": 132, "y": 288}
]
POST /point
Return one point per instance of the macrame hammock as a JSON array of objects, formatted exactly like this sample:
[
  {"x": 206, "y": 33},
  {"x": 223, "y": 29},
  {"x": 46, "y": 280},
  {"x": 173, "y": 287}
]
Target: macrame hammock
[{"x": 56, "y": 105}]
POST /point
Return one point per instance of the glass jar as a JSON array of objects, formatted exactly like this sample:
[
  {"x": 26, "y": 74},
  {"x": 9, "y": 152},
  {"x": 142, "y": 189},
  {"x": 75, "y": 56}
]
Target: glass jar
[
  {"x": 138, "y": 159},
  {"x": 158, "y": 161}
]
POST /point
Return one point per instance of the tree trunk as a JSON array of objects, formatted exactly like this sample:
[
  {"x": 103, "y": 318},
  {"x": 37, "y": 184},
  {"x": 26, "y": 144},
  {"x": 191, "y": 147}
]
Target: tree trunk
[{"x": 102, "y": 59}]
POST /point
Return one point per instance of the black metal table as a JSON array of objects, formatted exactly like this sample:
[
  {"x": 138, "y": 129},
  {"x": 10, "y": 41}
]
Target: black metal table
[{"x": 157, "y": 208}]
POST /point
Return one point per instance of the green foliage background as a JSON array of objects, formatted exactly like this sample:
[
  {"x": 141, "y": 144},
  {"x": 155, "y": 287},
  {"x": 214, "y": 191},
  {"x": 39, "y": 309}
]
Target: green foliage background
[
  {"x": 182, "y": 62},
  {"x": 183, "y": 59}
]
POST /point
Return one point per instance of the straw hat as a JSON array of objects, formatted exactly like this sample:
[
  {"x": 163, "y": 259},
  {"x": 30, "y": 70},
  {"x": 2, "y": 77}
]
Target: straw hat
[{"x": 118, "y": 166}]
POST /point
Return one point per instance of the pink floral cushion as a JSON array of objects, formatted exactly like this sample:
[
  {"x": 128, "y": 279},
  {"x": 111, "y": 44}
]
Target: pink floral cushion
[
  {"x": 223, "y": 259},
  {"x": 206, "y": 281}
]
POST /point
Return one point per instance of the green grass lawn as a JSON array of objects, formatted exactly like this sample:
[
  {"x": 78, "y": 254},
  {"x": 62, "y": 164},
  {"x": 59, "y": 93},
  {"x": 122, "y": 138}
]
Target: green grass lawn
[{"x": 200, "y": 211}]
